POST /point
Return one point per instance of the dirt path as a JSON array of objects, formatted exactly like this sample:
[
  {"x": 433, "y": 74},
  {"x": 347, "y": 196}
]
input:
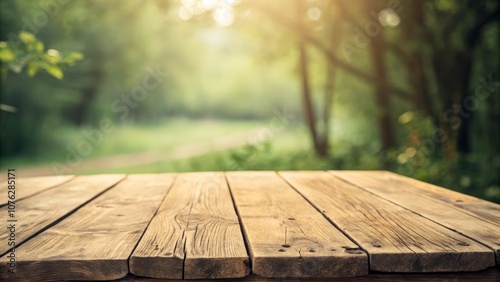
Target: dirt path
[{"x": 149, "y": 157}]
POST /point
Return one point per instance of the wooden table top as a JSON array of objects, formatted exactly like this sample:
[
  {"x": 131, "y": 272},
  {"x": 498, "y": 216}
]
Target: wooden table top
[{"x": 367, "y": 225}]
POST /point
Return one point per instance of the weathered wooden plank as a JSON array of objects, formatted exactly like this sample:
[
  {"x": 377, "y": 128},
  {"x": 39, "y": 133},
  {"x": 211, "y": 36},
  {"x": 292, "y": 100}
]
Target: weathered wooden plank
[
  {"x": 397, "y": 240},
  {"x": 29, "y": 186},
  {"x": 450, "y": 216},
  {"x": 286, "y": 236},
  {"x": 487, "y": 210},
  {"x": 96, "y": 241},
  {"x": 195, "y": 234},
  {"x": 35, "y": 213}
]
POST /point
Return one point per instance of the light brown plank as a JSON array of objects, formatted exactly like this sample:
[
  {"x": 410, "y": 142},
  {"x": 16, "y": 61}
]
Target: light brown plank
[
  {"x": 29, "y": 186},
  {"x": 450, "y": 216},
  {"x": 195, "y": 233},
  {"x": 36, "y": 213},
  {"x": 397, "y": 240},
  {"x": 96, "y": 241},
  {"x": 286, "y": 236},
  {"x": 487, "y": 210}
]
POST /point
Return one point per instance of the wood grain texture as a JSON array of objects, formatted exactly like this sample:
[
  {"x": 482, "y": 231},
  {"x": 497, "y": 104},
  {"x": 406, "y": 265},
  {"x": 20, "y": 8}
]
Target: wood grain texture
[
  {"x": 286, "y": 236},
  {"x": 397, "y": 240},
  {"x": 488, "y": 211},
  {"x": 195, "y": 235},
  {"x": 405, "y": 194},
  {"x": 38, "y": 212},
  {"x": 96, "y": 241},
  {"x": 29, "y": 186}
]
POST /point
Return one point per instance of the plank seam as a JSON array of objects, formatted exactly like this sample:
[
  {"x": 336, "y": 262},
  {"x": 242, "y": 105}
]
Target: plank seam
[
  {"x": 328, "y": 219},
  {"x": 62, "y": 217},
  {"x": 147, "y": 226},
  {"x": 185, "y": 240},
  {"x": 458, "y": 208},
  {"x": 48, "y": 188},
  {"x": 449, "y": 228},
  {"x": 242, "y": 230}
]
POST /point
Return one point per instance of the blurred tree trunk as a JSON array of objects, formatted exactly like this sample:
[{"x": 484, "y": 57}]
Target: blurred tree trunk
[
  {"x": 382, "y": 97},
  {"x": 452, "y": 67},
  {"x": 414, "y": 58},
  {"x": 89, "y": 93},
  {"x": 439, "y": 65},
  {"x": 306, "y": 97},
  {"x": 415, "y": 30},
  {"x": 386, "y": 132},
  {"x": 324, "y": 137},
  {"x": 464, "y": 135},
  {"x": 309, "y": 112},
  {"x": 319, "y": 126}
]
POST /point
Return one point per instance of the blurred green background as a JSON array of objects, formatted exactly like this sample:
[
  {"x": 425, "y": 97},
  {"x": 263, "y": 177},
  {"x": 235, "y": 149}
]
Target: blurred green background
[{"x": 196, "y": 85}]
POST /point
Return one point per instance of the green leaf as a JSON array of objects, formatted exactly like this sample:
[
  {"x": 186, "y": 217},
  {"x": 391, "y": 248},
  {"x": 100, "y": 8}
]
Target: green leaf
[
  {"x": 27, "y": 37},
  {"x": 52, "y": 56},
  {"x": 73, "y": 57},
  {"x": 32, "y": 69},
  {"x": 39, "y": 46},
  {"x": 6, "y": 55},
  {"x": 52, "y": 59},
  {"x": 53, "y": 70}
]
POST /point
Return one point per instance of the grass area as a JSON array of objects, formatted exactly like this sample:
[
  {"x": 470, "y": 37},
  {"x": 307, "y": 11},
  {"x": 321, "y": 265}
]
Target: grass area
[
  {"x": 287, "y": 149},
  {"x": 258, "y": 154},
  {"x": 132, "y": 138},
  {"x": 291, "y": 150}
]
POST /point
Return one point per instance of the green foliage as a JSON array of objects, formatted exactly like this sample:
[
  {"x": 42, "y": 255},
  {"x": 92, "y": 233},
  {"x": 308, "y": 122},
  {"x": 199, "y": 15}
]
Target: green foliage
[
  {"x": 247, "y": 71},
  {"x": 29, "y": 53}
]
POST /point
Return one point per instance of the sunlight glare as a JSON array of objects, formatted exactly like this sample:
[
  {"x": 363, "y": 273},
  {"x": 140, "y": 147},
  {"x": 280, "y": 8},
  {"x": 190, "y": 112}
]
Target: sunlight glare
[
  {"x": 185, "y": 13},
  {"x": 222, "y": 10},
  {"x": 223, "y": 15},
  {"x": 208, "y": 4},
  {"x": 230, "y": 2}
]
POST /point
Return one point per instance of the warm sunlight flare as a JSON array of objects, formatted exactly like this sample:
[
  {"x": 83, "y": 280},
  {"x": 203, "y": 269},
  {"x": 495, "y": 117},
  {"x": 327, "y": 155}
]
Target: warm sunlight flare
[{"x": 222, "y": 10}]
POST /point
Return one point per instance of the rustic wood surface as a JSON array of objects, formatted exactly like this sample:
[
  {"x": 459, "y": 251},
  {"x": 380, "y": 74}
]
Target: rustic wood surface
[
  {"x": 97, "y": 240},
  {"x": 409, "y": 196},
  {"x": 484, "y": 209},
  {"x": 31, "y": 186},
  {"x": 396, "y": 239},
  {"x": 46, "y": 208},
  {"x": 296, "y": 226},
  {"x": 196, "y": 233},
  {"x": 286, "y": 236}
]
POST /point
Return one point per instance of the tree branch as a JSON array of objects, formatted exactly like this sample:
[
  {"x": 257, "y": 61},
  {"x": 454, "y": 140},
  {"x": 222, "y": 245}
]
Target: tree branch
[
  {"x": 474, "y": 34},
  {"x": 297, "y": 28}
]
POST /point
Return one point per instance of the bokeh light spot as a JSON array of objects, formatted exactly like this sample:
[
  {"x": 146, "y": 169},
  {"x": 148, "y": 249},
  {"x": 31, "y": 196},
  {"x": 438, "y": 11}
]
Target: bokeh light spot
[
  {"x": 223, "y": 15},
  {"x": 388, "y": 17},
  {"x": 314, "y": 13},
  {"x": 406, "y": 117}
]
